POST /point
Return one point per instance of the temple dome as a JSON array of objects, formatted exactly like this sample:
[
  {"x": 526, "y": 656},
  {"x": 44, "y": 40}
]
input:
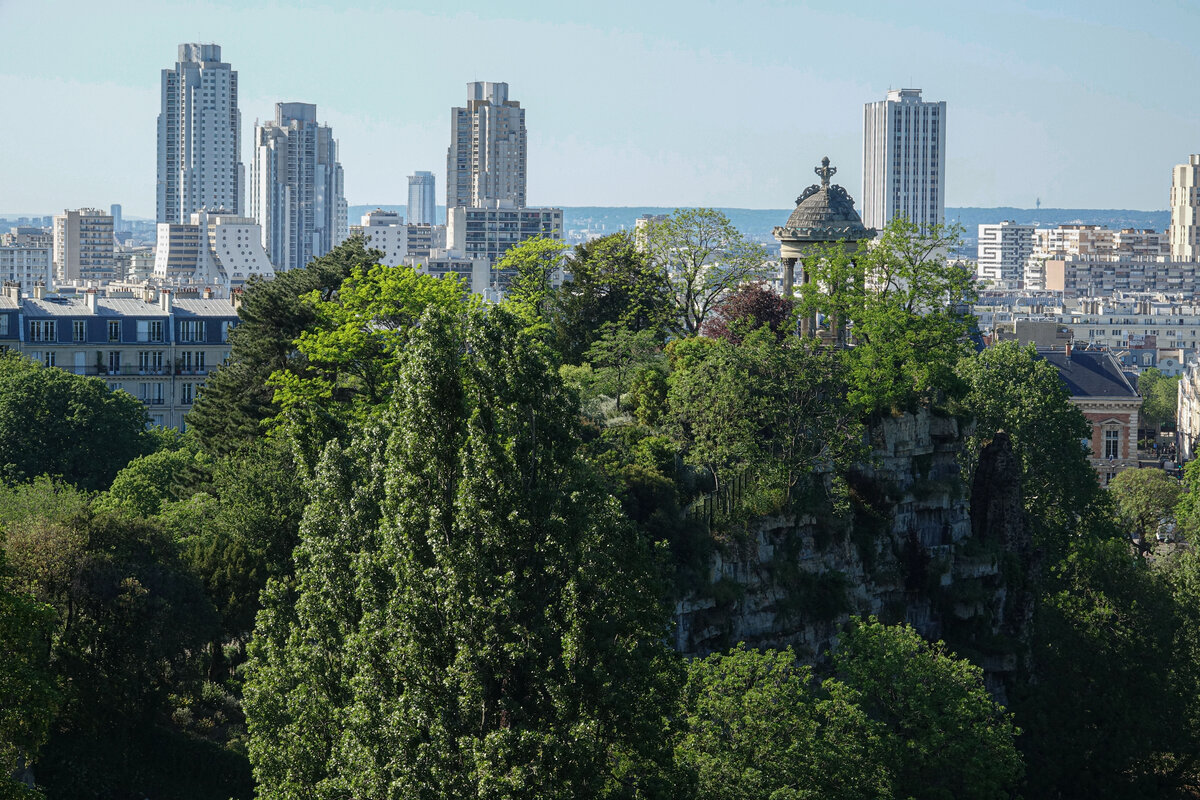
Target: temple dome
[{"x": 824, "y": 213}]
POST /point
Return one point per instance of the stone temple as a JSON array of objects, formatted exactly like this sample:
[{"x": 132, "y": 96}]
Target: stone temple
[{"x": 824, "y": 215}]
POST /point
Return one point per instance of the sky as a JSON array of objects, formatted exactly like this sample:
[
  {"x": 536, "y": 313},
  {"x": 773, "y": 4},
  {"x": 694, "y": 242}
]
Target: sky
[{"x": 691, "y": 103}]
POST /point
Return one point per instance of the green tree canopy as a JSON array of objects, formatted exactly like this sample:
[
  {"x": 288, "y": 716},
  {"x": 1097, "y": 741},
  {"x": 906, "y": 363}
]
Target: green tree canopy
[
  {"x": 908, "y": 311},
  {"x": 470, "y": 616},
  {"x": 1145, "y": 499},
  {"x": 28, "y": 689},
  {"x": 1160, "y": 396},
  {"x": 349, "y": 353},
  {"x": 64, "y": 425},
  {"x": 1010, "y": 389},
  {"x": 611, "y": 281},
  {"x": 236, "y": 400},
  {"x": 946, "y": 737},
  {"x": 756, "y": 727},
  {"x": 704, "y": 257}
]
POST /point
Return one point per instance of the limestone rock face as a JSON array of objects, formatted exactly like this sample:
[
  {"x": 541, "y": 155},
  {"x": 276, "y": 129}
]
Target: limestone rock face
[{"x": 910, "y": 550}]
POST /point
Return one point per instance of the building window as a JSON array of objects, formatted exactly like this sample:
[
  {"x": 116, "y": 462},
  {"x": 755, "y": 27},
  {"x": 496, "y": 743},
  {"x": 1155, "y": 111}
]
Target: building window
[
  {"x": 114, "y": 362},
  {"x": 78, "y": 330},
  {"x": 152, "y": 394},
  {"x": 43, "y": 330},
  {"x": 187, "y": 393},
  {"x": 114, "y": 330},
  {"x": 150, "y": 330},
  {"x": 192, "y": 331},
  {"x": 150, "y": 361},
  {"x": 1112, "y": 444}
]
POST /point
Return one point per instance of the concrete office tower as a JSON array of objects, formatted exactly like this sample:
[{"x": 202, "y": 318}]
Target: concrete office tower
[
  {"x": 114, "y": 211},
  {"x": 1003, "y": 249},
  {"x": 83, "y": 246},
  {"x": 199, "y": 140},
  {"x": 486, "y": 158},
  {"x": 297, "y": 196},
  {"x": 904, "y": 161},
  {"x": 1185, "y": 210},
  {"x": 422, "y": 198}
]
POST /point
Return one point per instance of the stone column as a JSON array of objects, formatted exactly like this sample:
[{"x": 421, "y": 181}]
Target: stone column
[{"x": 789, "y": 274}]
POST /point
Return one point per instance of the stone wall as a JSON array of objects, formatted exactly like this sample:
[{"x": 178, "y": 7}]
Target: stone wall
[{"x": 906, "y": 550}]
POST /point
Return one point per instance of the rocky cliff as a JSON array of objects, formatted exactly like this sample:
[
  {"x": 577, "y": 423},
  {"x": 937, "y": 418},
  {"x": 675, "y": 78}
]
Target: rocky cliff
[{"x": 911, "y": 544}]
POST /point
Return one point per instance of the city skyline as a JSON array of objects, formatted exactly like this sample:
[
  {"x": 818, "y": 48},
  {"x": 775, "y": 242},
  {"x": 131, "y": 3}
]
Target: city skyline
[{"x": 680, "y": 118}]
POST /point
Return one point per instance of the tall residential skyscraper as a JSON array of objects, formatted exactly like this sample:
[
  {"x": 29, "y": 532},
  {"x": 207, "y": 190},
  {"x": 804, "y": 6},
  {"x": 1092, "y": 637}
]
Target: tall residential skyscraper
[
  {"x": 199, "y": 139},
  {"x": 904, "y": 162},
  {"x": 298, "y": 196},
  {"x": 486, "y": 158},
  {"x": 422, "y": 198},
  {"x": 1185, "y": 210}
]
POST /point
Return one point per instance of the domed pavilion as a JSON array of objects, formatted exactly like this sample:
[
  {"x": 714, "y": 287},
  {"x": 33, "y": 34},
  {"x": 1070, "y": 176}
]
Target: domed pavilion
[{"x": 824, "y": 214}]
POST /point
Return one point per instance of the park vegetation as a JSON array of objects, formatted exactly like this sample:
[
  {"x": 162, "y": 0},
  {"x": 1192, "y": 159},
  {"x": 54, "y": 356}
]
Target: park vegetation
[{"x": 416, "y": 546}]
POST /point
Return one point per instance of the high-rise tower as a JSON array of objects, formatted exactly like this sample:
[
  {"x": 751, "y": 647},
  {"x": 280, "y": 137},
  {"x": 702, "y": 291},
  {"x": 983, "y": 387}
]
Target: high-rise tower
[
  {"x": 1185, "y": 210},
  {"x": 486, "y": 158},
  {"x": 298, "y": 196},
  {"x": 422, "y": 201},
  {"x": 904, "y": 162},
  {"x": 199, "y": 141}
]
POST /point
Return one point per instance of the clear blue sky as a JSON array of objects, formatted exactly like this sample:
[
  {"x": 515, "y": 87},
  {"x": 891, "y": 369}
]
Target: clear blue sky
[{"x": 1084, "y": 104}]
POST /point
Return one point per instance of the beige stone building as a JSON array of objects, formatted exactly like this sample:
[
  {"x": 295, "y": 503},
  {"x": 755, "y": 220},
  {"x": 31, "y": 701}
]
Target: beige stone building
[{"x": 83, "y": 246}]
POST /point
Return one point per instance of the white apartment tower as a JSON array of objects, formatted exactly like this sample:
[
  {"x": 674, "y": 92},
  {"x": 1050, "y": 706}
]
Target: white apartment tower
[
  {"x": 1003, "y": 249},
  {"x": 422, "y": 198},
  {"x": 904, "y": 162},
  {"x": 1185, "y": 210},
  {"x": 297, "y": 196},
  {"x": 487, "y": 154},
  {"x": 199, "y": 140}
]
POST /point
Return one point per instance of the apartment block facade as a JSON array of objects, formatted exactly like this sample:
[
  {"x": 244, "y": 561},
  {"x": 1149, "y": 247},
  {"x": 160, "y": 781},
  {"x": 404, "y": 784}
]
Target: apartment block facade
[
  {"x": 83, "y": 246},
  {"x": 904, "y": 161},
  {"x": 199, "y": 136},
  {"x": 218, "y": 250},
  {"x": 488, "y": 232},
  {"x": 157, "y": 349},
  {"x": 1003, "y": 249},
  {"x": 488, "y": 148},
  {"x": 298, "y": 194}
]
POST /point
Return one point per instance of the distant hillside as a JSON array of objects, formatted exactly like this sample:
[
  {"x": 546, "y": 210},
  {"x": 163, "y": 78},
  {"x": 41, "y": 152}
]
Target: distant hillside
[{"x": 757, "y": 223}]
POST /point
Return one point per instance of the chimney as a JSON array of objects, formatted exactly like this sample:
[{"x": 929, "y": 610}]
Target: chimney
[
  {"x": 1068, "y": 351},
  {"x": 90, "y": 299},
  {"x": 164, "y": 300},
  {"x": 207, "y": 293},
  {"x": 39, "y": 291},
  {"x": 148, "y": 294}
]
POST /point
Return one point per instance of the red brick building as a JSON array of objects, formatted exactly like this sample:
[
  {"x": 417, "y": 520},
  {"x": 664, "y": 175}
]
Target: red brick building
[{"x": 1108, "y": 399}]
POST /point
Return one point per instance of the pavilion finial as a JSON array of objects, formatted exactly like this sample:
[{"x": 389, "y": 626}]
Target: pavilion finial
[{"x": 825, "y": 171}]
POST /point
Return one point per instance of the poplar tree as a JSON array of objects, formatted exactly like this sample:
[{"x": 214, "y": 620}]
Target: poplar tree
[{"x": 470, "y": 615}]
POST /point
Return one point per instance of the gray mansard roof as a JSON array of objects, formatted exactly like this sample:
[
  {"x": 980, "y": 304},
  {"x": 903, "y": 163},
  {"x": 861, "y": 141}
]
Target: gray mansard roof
[{"x": 1091, "y": 373}]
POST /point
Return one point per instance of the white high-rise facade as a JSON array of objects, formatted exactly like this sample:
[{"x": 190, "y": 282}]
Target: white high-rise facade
[
  {"x": 487, "y": 154},
  {"x": 904, "y": 163},
  {"x": 1003, "y": 249},
  {"x": 199, "y": 139},
  {"x": 298, "y": 196},
  {"x": 1185, "y": 210},
  {"x": 422, "y": 198}
]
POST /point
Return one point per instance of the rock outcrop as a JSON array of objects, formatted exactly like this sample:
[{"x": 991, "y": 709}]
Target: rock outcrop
[{"x": 913, "y": 547}]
